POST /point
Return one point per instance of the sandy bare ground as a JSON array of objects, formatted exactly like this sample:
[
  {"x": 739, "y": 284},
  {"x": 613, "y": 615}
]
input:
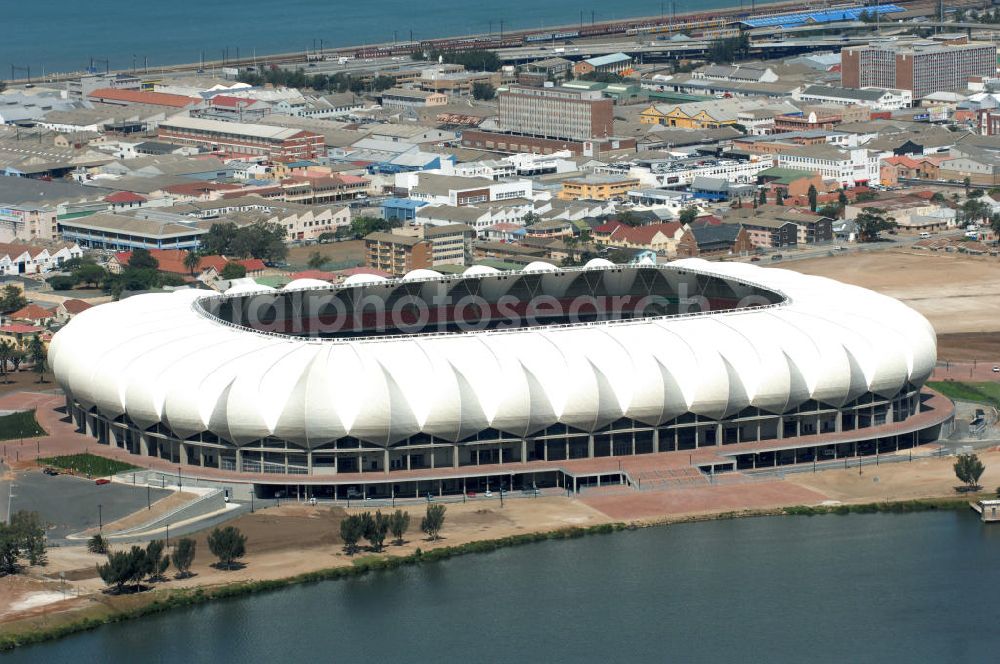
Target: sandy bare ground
[
  {"x": 298, "y": 538},
  {"x": 335, "y": 252},
  {"x": 922, "y": 477},
  {"x": 957, "y": 293}
]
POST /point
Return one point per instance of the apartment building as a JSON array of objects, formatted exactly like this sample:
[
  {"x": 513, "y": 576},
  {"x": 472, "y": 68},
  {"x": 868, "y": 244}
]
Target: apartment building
[
  {"x": 921, "y": 68},
  {"x": 412, "y": 248},
  {"x": 555, "y": 113},
  {"x": 597, "y": 187}
]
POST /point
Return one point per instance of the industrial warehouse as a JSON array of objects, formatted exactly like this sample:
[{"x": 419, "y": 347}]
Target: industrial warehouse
[{"x": 433, "y": 384}]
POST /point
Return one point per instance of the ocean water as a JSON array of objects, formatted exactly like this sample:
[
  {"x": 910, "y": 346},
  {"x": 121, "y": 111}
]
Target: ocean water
[
  {"x": 65, "y": 35},
  {"x": 880, "y": 588}
]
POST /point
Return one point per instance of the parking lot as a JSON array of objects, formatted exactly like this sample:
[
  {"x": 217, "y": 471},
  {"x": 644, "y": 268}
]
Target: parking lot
[{"x": 72, "y": 504}]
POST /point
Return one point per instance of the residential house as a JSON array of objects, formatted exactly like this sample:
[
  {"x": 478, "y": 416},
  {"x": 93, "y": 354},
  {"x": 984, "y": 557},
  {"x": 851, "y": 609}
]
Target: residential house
[{"x": 714, "y": 240}]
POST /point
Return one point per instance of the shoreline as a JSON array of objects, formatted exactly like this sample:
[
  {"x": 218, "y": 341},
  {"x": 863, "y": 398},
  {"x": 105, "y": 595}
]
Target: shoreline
[
  {"x": 292, "y": 57},
  {"x": 166, "y": 599}
]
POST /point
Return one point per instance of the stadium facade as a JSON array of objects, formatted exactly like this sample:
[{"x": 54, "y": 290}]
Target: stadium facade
[{"x": 432, "y": 382}]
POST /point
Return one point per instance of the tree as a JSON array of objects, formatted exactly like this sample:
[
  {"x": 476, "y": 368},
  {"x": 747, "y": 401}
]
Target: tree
[
  {"x": 141, "y": 258},
  {"x": 219, "y": 239},
  {"x": 227, "y": 544},
  {"x": 483, "y": 91},
  {"x": 967, "y": 182},
  {"x": 17, "y": 357},
  {"x": 779, "y": 197},
  {"x": 183, "y": 556},
  {"x": 937, "y": 197},
  {"x": 191, "y": 262},
  {"x": 995, "y": 222},
  {"x": 831, "y": 211},
  {"x": 233, "y": 270},
  {"x": 89, "y": 273},
  {"x": 61, "y": 282},
  {"x": 968, "y": 469},
  {"x": 97, "y": 544},
  {"x": 124, "y": 568},
  {"x": 842, "y": 198},
  {"x": 6, "y": 350},
  {"x": 316, "y": 260},
  {"x": 156, "y": 562},
  {"x": 688, "y": 214},
  {"x": 362, "y": 226},
  {"x": 871, "y": 222},
  {"x": 432, "y": 523},
  {"x": 381, "y": 82},
  {"x": 762, "y": 198},
  {"x": 22, "y": 537},
  {"x": 352, "y": 529},
  {"x": 974, "y": 211},
  {"x": 813, "y": 197},
  {"x": 376, "y": 528},
  {"x": 12, "y": 299},
  {"x": 399, "y": 523},
  {"x": 36, "y": 350}
]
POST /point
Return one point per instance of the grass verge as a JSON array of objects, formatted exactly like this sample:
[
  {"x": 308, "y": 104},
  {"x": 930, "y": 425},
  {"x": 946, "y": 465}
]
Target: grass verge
[
  {"x": 988, "y": 393},
  {"x": 890, "y": 507},
  {"x": 20, "y": 425},
  {"x": 87, "y": 464}
]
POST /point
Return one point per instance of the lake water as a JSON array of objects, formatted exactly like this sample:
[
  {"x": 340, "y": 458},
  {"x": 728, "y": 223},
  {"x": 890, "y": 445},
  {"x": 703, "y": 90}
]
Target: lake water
[
  {"x": 859, "y": 588},
  {"x": 63, "y": 35}
]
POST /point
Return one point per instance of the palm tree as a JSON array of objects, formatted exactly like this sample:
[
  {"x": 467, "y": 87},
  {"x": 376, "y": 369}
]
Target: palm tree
[{"x": 191, "y": 262}]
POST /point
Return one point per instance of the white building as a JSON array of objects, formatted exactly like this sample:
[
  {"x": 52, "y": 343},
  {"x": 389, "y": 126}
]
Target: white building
[
  {"x": 24, "y": 259},
  {"x": 877, "y": 99},
  {"x": 678, "y": 172},
  {"x": 438, "y": 189},
  {"x": 848, "y": 167}
]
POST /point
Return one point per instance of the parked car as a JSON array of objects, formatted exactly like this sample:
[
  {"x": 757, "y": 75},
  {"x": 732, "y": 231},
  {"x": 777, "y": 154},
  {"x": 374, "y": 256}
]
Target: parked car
[
  {"x": 50, "y": 471},
  {"x": 102, "y": 480},
  {"x": 996, "y": 368}
]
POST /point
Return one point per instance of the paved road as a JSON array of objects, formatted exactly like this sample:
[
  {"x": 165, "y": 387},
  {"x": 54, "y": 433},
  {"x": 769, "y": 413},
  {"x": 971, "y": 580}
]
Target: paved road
[{"x": 71, "y": 504}]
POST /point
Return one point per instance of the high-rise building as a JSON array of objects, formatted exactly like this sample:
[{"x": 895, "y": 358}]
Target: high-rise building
[
  {"x": 556, "y": 113},
  {"x": 922, "y": 68}
]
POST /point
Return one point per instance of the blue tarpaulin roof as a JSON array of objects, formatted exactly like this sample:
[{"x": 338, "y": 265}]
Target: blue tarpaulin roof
[{"x": 820, "y": 16}]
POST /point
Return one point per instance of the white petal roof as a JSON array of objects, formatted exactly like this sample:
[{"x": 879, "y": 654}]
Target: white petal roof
[{"x": 159, "y": 358}]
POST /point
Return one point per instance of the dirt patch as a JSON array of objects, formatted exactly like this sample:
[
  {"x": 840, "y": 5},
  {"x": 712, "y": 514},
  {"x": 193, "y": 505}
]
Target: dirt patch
[
  {"x": 933, "y": 476},
  {"x": 335, "y": 252},
  {"x": 19, "y": 381},
  {"x": 959, "y": 295},
  {"x": 984, "y": 347}
]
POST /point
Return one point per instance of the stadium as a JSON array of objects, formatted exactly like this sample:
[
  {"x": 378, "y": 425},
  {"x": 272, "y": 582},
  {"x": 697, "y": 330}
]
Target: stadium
[{"x": 542, "y": 377}]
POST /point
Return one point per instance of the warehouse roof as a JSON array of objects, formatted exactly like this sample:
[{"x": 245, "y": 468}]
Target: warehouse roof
[{"x": 241, "y": 128}]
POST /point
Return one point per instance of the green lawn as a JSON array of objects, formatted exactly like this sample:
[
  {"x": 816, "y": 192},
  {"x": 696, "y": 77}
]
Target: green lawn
[
  {"x": 87, "y": 464},
  {"x": 988, "y": 393},
  {"x": 20, "y": 425}
]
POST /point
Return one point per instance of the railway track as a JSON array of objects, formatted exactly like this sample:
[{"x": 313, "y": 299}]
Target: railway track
[{"x": 708, "y": 22}]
